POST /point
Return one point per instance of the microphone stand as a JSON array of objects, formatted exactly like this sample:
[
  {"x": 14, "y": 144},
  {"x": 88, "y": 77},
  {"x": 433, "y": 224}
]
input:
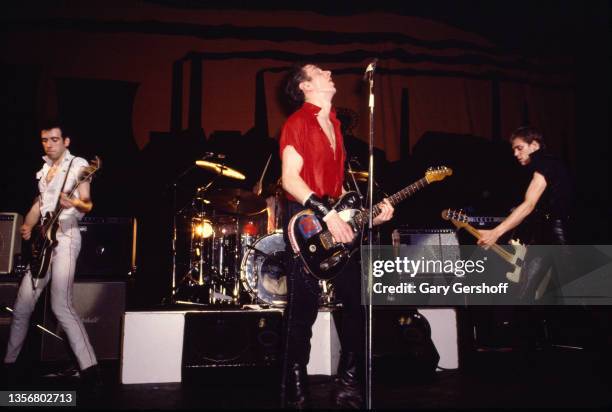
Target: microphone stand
[{"x": 370, "y": 195}]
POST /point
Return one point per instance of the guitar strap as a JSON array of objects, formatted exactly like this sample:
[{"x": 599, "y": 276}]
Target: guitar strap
[{"x": 63, "y": 184}]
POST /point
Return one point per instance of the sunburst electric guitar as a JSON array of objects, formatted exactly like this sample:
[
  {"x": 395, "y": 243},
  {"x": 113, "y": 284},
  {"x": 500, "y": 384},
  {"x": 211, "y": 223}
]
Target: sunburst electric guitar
[
  {"x": 44, "y": 236},
  {"x": 312, "y": 241},
  {"x": 516, "y": 257}
]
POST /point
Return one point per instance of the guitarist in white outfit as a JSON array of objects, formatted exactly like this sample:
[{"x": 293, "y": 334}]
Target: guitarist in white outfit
[
  {"x": 312, "y": 153},
  {"x": 58, "y": 162}
]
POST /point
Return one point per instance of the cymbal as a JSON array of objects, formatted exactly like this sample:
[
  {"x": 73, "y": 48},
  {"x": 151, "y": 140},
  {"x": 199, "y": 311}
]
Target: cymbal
[
  {"x": 360, "y": 175},
  {"x": 220, "y": 169},
  {"x": 236, "y": 201}
]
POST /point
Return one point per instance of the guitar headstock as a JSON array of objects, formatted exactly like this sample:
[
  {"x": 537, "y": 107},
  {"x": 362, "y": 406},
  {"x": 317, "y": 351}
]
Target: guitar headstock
[
  {"x": 458, "y": 218},
  {"x": 435, "y": 174},
  {"x": 88, "y": 171}
]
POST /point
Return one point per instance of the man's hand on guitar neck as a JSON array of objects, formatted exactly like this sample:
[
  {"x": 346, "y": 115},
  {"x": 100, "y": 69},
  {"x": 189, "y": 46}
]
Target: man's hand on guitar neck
[
  {"x": 386, "y": 213},
  {"x": 339, "y": 229},
  {"x": 488, "y": 238}
]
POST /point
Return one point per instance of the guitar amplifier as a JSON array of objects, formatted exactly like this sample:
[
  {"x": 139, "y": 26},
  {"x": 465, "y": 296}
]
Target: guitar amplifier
[
  {"x": 443, "y": 243},
  {"x": 101, "y": 306},
  {"x": 437, "y": 244},
  {"x": 10, "y": 240},
  {"x": 108, "y": 247},
  {"x": 439, "y": 237}
]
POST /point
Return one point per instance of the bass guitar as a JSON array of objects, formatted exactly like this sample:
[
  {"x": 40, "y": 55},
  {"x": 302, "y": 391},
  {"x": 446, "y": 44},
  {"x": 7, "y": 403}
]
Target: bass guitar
[
  {"x": 44, "y": 236},
  {"x": 516, "y": 257},
  {"x": 311, "y": 240}
]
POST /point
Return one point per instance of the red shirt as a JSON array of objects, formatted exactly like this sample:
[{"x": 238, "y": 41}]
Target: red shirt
[{"x": 323, "y": 169}]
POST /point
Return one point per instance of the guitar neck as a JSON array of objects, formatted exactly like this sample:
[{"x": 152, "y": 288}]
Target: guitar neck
[
  {"x": 504, "y": 254},
  {"x": 394, "y": 199},
  {"x": 401, "y": 195}
]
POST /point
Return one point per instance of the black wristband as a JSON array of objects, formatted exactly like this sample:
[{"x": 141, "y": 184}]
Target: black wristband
[{"x": 316, "y": 204}]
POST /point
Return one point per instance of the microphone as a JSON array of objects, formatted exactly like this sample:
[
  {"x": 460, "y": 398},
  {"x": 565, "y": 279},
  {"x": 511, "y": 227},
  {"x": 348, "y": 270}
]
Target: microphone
[
  {"x": 212, "y": 155},
  {"x": 370, "y": 69}
]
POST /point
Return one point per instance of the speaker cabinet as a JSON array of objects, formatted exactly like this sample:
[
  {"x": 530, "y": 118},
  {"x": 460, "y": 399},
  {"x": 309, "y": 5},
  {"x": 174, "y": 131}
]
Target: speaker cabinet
[
  {"x": 10, "y": 241},
  {"x": 232, "y": 339},
  {"x": 108, "y": 248},
  {"x": 8, "y": 293},
  {"x": 101, "y": 306}
]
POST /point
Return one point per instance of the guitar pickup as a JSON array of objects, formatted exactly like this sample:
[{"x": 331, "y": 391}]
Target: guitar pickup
[{"x": 326, "y": 240}]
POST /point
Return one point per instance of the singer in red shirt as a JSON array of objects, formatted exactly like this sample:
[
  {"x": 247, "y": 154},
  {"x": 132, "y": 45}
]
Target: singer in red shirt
[{"x": 313, "y": 156}]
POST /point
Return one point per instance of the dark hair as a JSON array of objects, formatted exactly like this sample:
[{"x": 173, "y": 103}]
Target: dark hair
[
  {"x": 55, "y": 124},
  {"x": 296, "y": 76},
  {"x": 528, "y": 134}
]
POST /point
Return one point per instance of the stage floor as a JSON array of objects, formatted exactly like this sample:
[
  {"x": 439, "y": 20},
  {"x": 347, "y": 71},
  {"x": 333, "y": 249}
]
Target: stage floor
[{"x": 552, "y": 378}]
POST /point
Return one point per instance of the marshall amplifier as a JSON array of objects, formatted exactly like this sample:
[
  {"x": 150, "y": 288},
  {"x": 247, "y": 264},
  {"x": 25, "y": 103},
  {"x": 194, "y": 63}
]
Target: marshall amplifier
[
  {"x": 101, "y": 306},
  {"x": 108, "y": 248}
]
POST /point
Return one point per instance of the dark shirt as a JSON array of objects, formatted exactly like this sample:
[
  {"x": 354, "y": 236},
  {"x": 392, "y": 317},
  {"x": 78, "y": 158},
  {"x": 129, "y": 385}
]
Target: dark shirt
[
  {"x": 323, "y": 168},
  {"x": 556, "y": 201}
]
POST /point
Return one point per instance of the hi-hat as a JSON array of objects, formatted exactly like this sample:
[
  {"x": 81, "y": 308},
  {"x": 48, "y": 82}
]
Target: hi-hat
[
  {"x": 236, "y": 201},
  {"x": 220, "y": 169},
  {"x": 361, "y": 176}
]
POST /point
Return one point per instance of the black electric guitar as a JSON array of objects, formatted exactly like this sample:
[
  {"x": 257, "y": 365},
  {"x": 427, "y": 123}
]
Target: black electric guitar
[
  {"x": 516, "y": 257},
  {"x": 44, "y": 236},
  {"x": 310, "y": 239}
]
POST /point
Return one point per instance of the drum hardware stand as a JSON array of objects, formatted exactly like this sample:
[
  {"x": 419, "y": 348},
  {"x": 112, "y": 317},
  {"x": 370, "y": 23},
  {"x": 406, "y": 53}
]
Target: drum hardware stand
[
  {"x": 354, "y": 180},
  {"x": 174, "y": 185},
  {"x": 174, "y": 213},
  {"x": 352, "y": 174}
]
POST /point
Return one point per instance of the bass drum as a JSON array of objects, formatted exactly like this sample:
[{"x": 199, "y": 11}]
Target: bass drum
[{"x": 263, "y": 270}]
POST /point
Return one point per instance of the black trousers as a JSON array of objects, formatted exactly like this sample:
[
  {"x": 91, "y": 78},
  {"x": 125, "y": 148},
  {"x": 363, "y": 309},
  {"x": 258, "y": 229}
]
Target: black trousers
[
  {"x": 303, "y": 297},
  {"x": 540, "y": 259}
]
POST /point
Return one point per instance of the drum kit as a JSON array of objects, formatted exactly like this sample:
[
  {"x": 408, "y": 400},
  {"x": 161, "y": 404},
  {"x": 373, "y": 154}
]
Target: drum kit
[{"x": 232, "y": 258}]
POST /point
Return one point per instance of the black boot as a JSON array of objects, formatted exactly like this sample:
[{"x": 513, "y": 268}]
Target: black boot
[
  {"x": 91, "y": 381},
  {"x": 348, "y": 392},
  {"x": 296, "y": 388}
]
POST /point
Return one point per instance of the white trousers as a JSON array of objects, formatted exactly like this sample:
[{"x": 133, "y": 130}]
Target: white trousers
[{"x": 61, "y": 275}]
